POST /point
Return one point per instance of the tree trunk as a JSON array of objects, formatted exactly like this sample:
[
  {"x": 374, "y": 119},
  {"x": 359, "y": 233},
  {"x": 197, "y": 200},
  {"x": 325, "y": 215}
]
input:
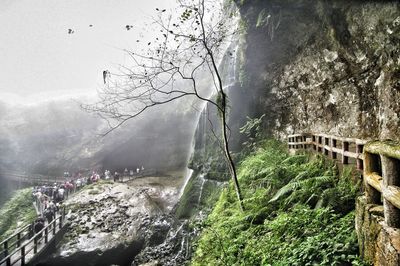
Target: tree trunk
[{"x": 231, "y": 164}]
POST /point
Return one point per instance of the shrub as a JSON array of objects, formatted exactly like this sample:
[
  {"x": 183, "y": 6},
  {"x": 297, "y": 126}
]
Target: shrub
[
  {"x": 296, "y": 213},
  {"x": 19, "y": 209}
]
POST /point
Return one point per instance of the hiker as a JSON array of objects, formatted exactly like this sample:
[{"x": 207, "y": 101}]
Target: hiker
[
  {"x": 52, "y": 206},
  {"x": 61, "y": 192},
  {"x": 49, "y": 214},
  {"x": 107, "y": 174},
  {"x": 38, "y": 225},
  {"x": 78, "y": 183},
  {"x": 116, "y": 176}
]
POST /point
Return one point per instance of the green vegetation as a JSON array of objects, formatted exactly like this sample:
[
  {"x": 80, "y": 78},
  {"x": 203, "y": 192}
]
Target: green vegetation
[
  {"x": 19, "y": 209},
  {"x": 298, "y": 211},
  {"x": 192, "y": 202}
]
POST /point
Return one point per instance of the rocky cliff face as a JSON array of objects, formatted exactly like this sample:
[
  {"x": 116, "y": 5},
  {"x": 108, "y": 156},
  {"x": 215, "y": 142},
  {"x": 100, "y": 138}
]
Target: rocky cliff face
[
  {"x": 328, "y": 67},
  {"x": 325, "y": 66}
]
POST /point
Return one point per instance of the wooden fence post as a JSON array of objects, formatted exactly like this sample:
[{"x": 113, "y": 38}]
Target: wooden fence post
[
  {"x": 319, "y": 143},
  {"x": 5, "y": 248},
  {"x": 18, "y": 239},
  {"x": 371, "y": 165},
  {"x": 23, "y": 255},
  {"x": 31, "y": 233},
  {"x": 46, "y": 235},
  {"x": 305, "y": 146},
  {"x": 333, "y": 145},
  {"x": 359, "y": 151},
  {"x": 54, "y": 227},
  {"x": 326, "y": 143},
  {"x": 35, "y": 242},
  {"x": 313, "y": 140},
  {"x": 391, "y": 177},
  {"x": 8, "y": 261},
  {"x": 345, "y": 159}
]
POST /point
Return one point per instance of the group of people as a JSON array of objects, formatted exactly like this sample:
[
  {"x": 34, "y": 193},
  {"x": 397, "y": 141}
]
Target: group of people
[
  {"x": 126, "y": 172},
  {"x": 48, "y": 198},
  {"x": 48, "y": 195}
]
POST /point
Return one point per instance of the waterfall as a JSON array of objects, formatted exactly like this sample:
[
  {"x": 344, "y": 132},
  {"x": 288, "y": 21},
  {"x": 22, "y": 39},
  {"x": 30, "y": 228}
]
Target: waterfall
[
  {"x": 203, "y": 180},
  {"x": 204, "y": 131},
  {"x": 188, "y": 174},
  {"x": 227, "y": 66}
]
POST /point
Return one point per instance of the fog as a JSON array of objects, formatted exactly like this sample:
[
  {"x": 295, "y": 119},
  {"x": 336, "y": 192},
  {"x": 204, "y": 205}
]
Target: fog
[
  {"x": 47, "y": 72},
  {"x": 55, "y": 136}
]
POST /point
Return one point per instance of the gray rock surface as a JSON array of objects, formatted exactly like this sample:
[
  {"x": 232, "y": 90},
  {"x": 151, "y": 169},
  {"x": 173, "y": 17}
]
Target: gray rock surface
[{"x": 111, "y": 223}]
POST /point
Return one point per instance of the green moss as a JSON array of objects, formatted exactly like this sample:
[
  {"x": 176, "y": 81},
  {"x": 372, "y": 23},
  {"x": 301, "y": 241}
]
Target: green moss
[
  {"x": 93, "y": 192},
  {"x": 388, "y": 148},
  {"x": 19, "y": 209},
  {"x": 310, "y": 224},
  {"x": 188, "y": 203}
]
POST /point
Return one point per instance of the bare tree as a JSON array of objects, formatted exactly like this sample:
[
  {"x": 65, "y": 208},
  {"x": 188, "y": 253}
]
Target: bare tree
[{"x": 190, "y": 45}]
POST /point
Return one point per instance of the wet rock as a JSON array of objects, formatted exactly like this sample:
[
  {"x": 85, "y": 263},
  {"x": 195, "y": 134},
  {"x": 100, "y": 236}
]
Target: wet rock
[{"x": 112, "y": 227}]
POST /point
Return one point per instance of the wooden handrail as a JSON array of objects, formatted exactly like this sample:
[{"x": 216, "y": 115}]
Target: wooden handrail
[
  {"x": 36, "y": 237},
  {"x": 354, "y": 140},
  {"x": 379, "y": 160},
  {"x": 328, "y": 145},
  {"x": 374, "y": 180},
  {"x": 382, "y": 178},
  {"x": 15, "y": 234}
]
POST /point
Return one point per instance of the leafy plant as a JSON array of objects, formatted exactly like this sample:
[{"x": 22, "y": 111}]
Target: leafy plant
[
  {"x": 252, "y": 130},
  {"x": 19, "y": 209},
  {"x": 294, "y": 214}
]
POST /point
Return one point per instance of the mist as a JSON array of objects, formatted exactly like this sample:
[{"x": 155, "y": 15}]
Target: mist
[
  {"x": 57, "y": 136},
  {"x": 47, "y": 71}
]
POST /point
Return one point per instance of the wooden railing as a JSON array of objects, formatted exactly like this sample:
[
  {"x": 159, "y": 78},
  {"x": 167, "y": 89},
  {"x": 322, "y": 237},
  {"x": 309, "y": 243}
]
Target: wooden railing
[
  {"x": 24, "y": 244},
  {"x": 350, "y": 150},
  {"x": 14, "y": 241},
  {"x": 31, "y": 178},
  {"x": 379, "y": 160},
  {"x": 382, "y": 178}
]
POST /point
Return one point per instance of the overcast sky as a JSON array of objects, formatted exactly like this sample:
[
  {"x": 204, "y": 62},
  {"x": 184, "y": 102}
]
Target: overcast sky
[{"x": 39, "y": 59}]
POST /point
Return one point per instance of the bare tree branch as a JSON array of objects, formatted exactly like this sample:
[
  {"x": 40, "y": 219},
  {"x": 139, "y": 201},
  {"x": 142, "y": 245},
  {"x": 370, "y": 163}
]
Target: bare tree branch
[{"x": 190, "y": 46}]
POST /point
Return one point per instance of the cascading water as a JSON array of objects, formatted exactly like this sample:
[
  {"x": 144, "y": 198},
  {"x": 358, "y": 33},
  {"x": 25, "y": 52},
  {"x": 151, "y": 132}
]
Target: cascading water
[
  {"x": 202, "y": 180},
  {"x": 208, "y": 122},
  {"x": 188, "y": 174},
  {"x": 197, "y": 185}
]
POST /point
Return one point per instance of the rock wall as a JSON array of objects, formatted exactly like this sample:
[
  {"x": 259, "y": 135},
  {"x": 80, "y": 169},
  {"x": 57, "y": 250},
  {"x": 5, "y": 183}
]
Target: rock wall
[
  {"x": 379, "y": 244},
  {"x": 325, "y": 66},
  {"x": 328, "y": 67}
]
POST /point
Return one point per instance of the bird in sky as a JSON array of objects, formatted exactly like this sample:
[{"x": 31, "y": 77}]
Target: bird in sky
[{"x": 70, "y": 31}]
